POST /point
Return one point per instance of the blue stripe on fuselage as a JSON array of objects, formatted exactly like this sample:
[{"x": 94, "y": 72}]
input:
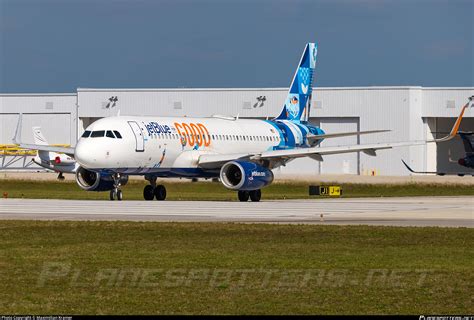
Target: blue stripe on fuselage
[
  {"x": 282, "y": 144},
  {"x": 164, "y": 172}
]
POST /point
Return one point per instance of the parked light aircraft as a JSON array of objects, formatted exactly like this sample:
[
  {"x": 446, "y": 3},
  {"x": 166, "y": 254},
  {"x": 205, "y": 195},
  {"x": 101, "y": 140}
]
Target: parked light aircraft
[
  {"x": 466, "y": 161},
  {"x": 58, "y": 162},
  {"x": 241, "y": 152}
]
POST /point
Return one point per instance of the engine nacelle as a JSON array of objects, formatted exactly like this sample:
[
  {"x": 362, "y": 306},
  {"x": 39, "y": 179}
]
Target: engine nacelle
[
  {"x": 94, "y": 181},
  {"x": 243, "y": 175}
]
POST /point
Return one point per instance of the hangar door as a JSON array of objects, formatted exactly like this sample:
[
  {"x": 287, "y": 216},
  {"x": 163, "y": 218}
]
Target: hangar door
[{"x": 347, "y": 163}]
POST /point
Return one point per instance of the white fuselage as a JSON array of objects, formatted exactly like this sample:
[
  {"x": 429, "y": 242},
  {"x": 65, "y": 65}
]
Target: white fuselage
[
  {"x": 163, "y": 144},
  {"x": 58, "y": 162}
]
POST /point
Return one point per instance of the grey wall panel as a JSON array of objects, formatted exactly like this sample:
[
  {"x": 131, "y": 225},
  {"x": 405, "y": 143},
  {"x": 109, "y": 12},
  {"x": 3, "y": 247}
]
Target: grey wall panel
[
  {"x": 446, "y": 102},
  {"x": 181, "y": 102},
  {"x": 38, "y": 105},
  {"x": 347, "y": 163},
  {"x": 56, "y": 127}
]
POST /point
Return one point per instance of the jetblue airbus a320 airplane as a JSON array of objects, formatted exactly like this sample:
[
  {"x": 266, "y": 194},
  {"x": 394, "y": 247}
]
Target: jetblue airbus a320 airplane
[{"x": 242, "y": 153}]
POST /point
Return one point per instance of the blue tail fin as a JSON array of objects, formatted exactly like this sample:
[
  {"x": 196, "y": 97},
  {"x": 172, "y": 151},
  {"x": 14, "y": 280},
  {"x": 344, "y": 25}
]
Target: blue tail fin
[{"x": 298, "y": 101}]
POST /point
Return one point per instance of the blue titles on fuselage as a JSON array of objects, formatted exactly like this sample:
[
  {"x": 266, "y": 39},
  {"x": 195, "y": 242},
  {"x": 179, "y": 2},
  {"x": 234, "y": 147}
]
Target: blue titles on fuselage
[{"x": 155, "y": 128}]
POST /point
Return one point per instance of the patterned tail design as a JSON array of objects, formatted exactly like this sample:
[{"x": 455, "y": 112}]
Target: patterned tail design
[{"x": 301, "y": 86}]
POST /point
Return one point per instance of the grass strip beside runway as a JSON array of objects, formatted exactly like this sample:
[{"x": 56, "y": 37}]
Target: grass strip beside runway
[
  {"x": 216, "y": 191},
  {"x": 199, "y": 268}
]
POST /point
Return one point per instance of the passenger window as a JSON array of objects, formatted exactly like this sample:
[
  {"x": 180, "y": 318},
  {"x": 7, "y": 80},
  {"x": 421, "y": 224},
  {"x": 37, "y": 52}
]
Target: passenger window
[
  {"x": 109, "y": 134},
  {"x": 117, "y": 134},
  {"x": 97, "y": 134},
  {"x": 86, "y": 134}
]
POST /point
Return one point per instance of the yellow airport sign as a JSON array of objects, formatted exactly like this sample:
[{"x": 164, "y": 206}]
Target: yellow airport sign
[{"x": 329, "y": 191}]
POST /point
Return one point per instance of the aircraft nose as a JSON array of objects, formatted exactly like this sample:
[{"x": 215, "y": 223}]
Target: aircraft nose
[{"x": 83, "y": 154}]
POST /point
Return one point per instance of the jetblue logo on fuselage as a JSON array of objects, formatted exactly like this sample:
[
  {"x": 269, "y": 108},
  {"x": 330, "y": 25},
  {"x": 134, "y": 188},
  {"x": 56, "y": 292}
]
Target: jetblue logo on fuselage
[{"x": 154, "y": 127}]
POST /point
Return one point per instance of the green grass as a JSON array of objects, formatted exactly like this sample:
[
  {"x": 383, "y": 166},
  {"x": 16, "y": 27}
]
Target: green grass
[
  {"x": 195, "y": 268},
  {"x": 216, "y": 191}
]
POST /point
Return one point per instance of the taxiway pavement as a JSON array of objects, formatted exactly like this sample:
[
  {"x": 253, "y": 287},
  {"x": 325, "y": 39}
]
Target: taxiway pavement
[{"x": 406, "y": 211}]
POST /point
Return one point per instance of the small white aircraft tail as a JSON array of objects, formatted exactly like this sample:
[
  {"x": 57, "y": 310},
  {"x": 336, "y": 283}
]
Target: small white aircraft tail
[{"x": 38, "y": 136}]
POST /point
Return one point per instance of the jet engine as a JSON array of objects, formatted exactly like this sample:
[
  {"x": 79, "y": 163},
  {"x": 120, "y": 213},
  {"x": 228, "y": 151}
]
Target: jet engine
[
  {"x": 243, "y": 175},
  {"x": 94, "y": 181}
]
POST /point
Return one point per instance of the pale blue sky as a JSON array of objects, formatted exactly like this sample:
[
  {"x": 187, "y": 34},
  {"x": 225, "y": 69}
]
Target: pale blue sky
[{"x": 57, "y": 46}]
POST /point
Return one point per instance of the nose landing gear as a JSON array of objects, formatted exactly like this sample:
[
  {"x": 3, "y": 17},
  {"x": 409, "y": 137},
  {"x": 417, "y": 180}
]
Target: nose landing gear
[{"x": 116, "y": 193}]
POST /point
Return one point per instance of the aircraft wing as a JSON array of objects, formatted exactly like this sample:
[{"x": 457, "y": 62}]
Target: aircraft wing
[
  {"x": 17, "y": 140},
  {"x": 212, "y": 161},
  {"x": 439, "y": 173},
  {"x": 67, "y": 150}
]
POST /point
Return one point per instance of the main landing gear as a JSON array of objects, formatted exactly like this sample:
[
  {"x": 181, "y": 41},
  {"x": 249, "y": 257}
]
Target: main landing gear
[
  {"x": 116, "y": 193},
  {"x": 254, "y": 195},
  {"x": 154, "y": 191}
]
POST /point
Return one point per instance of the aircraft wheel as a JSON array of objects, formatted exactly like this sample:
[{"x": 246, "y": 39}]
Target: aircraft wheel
[
  {"x": 112, "y": 194},
  {"x": 119, "y": 195},
  {"x": 160, "y": 192},
  {"x": 255, "y": 195},
  {"x": 243, "y": 196},
  {"x": 148, "y": 192}
]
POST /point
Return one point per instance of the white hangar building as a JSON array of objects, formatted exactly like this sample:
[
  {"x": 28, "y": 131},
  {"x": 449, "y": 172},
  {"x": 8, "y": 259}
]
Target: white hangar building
[{"x": 411, "y": 113}]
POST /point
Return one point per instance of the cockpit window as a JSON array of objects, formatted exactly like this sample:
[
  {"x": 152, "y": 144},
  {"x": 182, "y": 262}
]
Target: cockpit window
[
  {"x": 98, "y": 134},
  {"x": 117, "y": 134},
  {"x": 86, "y": 134},
  {"x": 109, "y": 134}
]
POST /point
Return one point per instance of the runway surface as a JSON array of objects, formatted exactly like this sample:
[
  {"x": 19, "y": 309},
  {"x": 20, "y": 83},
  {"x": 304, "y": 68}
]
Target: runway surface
[{"x": 412, "y": 211}]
